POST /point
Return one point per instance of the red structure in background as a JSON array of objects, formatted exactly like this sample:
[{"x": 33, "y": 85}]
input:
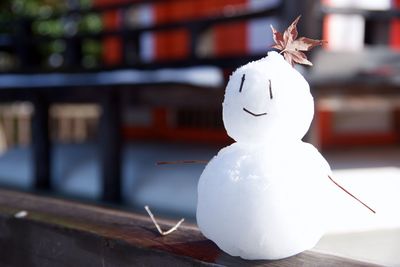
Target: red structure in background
[
  {"x": 224, "y": 40},
  {"x": 228, "y": 39},
  {"x": 326, "y": 118},
  {"x": 329, "y": 139},
  {"x": 395, "y": 29},
  {"x": 111, "y": 46}
]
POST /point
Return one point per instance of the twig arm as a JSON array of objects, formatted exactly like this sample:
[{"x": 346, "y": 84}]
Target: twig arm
[{"x": 350, "y": 194}]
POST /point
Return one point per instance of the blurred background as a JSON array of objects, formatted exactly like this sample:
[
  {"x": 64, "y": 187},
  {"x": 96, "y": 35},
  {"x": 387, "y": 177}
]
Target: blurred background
[{"x": 169, "y": 62}]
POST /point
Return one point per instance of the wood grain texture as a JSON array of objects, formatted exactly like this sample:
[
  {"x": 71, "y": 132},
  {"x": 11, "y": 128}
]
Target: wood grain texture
[{"x": 64, "y": 233}]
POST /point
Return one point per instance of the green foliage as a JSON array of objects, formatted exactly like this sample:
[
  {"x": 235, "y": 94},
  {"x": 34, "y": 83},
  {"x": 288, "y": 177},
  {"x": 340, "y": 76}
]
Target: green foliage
[
  {"x": 47, "y": 22},
  {"x": 91, "y": 51},
  {"x": 36, "y": 8},
  {"x": 90, "y": 23},
  {"x": 53, "y": 28}
]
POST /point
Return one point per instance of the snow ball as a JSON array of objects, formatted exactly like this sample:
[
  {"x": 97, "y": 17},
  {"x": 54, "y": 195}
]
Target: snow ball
[{"x": 267, "y": 100}]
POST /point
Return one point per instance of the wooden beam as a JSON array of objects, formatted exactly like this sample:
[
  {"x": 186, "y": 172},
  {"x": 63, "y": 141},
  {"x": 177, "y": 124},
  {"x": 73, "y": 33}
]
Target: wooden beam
[{"x": 40, "y": 231}]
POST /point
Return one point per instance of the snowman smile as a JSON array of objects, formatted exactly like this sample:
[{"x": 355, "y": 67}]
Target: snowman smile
[{"x": 254, "y": 114}]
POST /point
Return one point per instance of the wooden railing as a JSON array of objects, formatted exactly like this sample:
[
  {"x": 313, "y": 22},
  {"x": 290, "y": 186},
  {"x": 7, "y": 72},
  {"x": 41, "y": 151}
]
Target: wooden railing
[{"x": 41, "y": 231}]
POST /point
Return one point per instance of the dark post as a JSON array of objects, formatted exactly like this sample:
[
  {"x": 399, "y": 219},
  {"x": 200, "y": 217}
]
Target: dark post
[
  {"x": 131, "y": 42},
  {"x": 41, "y": 143},
  {"x": 24, "y": 46},
  {"x": 194, "y": 35},
  {"x": 110, "y": 146},
  {"x": 73, "y": 52},
  {"x": 131, "y": 49}
]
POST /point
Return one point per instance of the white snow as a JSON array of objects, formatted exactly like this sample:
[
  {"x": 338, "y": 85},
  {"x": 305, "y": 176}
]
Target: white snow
[
  {"x": 265, "y": 196},
  {"x": 289, "y": 112}
]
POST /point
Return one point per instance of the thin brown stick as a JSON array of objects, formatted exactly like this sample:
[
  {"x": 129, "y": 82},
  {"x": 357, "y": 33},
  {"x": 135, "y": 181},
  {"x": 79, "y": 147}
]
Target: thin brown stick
[
  {"x": 182, "y": 162},
  {"x": 158, "y": 226},
  {"x": 350, "y": 194}
]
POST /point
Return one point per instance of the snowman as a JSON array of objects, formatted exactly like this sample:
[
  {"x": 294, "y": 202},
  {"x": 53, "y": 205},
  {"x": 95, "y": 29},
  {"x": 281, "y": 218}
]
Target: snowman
[{"x": 266, "y": 196}]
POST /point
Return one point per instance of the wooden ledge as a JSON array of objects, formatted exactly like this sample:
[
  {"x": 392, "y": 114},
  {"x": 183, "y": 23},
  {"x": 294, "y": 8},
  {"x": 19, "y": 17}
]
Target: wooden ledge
[{"x": 41, "y": 231}]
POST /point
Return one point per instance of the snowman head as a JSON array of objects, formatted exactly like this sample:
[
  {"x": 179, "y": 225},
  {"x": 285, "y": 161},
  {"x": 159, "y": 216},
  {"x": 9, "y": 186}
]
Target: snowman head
[{"x": 267, "y": 100}]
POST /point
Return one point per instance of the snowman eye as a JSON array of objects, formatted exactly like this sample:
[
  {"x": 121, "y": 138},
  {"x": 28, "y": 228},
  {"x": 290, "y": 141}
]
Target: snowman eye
[
  {"x": 270, "y": 90},
  {"x": 241, "y": 84}
]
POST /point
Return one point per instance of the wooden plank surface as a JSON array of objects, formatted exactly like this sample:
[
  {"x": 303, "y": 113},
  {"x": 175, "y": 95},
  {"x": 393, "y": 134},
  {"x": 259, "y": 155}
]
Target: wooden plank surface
[{"x": 63, "y": 233}]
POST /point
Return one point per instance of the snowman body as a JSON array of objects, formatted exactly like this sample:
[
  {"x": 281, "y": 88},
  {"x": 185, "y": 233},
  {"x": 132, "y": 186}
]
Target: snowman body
[{"x": 263, "y": 196}]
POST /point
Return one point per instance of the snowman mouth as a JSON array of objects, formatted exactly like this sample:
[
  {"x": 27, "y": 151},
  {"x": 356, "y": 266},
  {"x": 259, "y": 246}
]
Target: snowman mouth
[{"x": 254, "y": 114}]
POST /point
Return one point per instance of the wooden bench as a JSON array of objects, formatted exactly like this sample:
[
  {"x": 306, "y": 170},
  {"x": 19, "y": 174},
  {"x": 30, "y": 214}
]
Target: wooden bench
[
  {"x": 104, "y": 85},
  {"x": 41, "y": 231}
]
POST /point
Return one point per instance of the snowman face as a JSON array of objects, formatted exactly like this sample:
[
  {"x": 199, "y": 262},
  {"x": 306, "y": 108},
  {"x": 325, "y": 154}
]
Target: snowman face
[
  {"x": 270, "y": 96},
  {"x": 267, "y": 100}
]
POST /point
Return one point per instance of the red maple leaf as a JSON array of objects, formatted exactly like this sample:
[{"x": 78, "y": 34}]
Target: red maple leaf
[{"x": 292, "y": 48}]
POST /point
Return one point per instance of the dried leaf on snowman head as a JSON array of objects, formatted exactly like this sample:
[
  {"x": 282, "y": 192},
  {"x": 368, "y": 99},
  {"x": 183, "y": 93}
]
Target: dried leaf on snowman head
[{"x": 292, "y": 48}]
